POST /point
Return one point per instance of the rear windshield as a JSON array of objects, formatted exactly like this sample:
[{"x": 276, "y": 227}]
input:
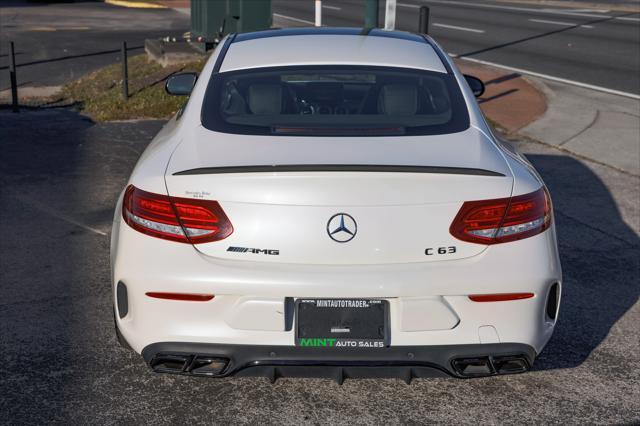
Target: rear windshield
[{"x": 337, "y": 101}]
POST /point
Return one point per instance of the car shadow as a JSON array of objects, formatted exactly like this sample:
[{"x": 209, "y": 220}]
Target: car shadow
[
  {"x": 60, "y": 174},
  {"x": 599, "y": 254},
  {"x": 484, "y": 100}
]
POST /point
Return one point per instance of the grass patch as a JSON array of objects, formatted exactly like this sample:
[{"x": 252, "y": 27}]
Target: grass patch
[{"x": 99, "y": 94}]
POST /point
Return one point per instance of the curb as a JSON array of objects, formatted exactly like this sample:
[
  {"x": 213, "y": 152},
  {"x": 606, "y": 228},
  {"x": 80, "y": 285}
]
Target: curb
[
  {"x": 511, "y": 101},
  {"x": 171, "y": 53},
  {"x": 135, "y": 4}
]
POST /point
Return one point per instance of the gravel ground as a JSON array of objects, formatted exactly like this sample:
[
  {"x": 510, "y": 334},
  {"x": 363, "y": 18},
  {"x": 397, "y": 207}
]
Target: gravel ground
[{"x": 59, "y": 361}]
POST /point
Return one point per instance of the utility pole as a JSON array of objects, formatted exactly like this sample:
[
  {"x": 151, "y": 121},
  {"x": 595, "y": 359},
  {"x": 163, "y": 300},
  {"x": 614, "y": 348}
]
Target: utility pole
[
  {"x": 390, "y": 15},
  {"x": 318, "y": 13},
  {"x": 371, "y": 14}
]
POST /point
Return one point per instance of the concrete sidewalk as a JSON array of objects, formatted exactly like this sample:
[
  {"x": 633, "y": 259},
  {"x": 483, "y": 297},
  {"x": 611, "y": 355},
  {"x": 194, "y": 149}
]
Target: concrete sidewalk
[{"x": 597, "y": 126}]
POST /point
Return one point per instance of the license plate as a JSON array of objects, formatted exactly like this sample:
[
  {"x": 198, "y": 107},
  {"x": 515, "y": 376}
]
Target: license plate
[{"x": 342, "y": 323}]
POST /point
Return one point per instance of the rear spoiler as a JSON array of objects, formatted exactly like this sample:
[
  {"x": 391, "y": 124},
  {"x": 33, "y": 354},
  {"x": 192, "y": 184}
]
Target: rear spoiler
[{"x": 338, "y": 168}]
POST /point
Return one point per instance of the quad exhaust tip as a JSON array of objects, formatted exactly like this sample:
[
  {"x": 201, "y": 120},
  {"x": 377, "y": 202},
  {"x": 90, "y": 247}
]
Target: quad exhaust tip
[
  {"x": 196, "y": 365},
  {"x": 491, "y": 365}
]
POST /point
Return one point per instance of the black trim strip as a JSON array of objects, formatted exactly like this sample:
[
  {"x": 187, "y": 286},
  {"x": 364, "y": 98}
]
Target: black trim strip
[{"x": 338, "y": 168}]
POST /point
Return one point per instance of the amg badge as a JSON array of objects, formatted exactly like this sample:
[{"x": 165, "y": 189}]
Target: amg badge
[{"x": 270, "y": 252}]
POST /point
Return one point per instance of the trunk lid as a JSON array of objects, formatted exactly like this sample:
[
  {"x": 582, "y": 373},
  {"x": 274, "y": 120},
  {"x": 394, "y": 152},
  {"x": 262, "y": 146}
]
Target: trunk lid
[{"x": 398, "y": 196}]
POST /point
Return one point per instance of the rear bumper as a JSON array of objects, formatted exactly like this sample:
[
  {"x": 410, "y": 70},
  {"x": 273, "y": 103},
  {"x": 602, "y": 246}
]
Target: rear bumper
[
  {"x": 249, "y": 307},
  {"x": 405, "y": 362}
]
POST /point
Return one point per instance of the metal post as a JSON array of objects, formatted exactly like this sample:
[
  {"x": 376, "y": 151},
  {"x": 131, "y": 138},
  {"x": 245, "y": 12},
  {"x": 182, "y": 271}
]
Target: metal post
[
  {"x": 371, "y": 14},
  {"x": 424, "y": 20},
  {"x": 390, "y": 15},
  {"x": 125, "y": 72},
  {"x": 14, "y": 80},
  {"x": 318, "y": 13}
]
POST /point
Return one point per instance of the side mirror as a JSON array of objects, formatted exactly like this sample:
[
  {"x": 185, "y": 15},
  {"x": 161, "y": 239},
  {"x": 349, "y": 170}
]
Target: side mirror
[
  {"x": 181, "y": 84},
  {"x": 476, "y": 85}
]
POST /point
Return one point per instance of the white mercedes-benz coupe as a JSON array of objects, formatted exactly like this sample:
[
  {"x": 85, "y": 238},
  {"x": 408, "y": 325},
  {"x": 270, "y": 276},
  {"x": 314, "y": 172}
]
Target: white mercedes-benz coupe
[{"x": 331, "y": 202}]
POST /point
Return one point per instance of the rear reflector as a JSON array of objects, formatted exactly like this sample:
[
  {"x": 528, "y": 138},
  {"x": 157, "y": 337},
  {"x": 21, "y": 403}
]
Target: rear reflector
[
  {"x": 187, "y": 297},
  {"x": 503, "y": 219},
  {"x": 552, "y": 301},
  {"x": 500, "y": 297},
  {"x": 183, "y": 220}
]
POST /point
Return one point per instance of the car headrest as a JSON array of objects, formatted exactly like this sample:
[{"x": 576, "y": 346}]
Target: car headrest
[
  {"x": 265, "y": 99},
  {"x": 398, "y": 99}
]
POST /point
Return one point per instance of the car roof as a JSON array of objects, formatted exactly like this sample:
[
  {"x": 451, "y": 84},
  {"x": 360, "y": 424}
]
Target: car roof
[{"x": 331, "y": 46}]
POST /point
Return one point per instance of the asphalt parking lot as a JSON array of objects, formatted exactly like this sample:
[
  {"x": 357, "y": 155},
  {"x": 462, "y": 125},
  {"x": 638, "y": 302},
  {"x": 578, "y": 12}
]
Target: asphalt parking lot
[{"x": 60, "y": 175}]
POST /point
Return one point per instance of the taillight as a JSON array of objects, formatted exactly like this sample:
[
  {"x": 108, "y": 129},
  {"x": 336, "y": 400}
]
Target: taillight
[
  {"x": 177, "y": 219},
  {"x": 503, "y": 219}
]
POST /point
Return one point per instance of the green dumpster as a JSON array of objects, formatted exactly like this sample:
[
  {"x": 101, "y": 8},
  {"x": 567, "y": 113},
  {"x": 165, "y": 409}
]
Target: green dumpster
[{"x": 213, "y": 19}]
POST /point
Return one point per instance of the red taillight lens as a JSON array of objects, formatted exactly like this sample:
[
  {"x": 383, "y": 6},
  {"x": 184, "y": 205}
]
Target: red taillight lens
[
  {"x": 185, "y": 297},
  {"x": 177, "y": 219},
  {"x": 503, "y": 219},
  {"x": 500, "y": 297}
]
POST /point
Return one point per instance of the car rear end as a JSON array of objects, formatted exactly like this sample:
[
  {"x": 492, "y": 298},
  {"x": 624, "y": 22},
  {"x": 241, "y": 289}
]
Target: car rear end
[{"x": 407, "y": 244}]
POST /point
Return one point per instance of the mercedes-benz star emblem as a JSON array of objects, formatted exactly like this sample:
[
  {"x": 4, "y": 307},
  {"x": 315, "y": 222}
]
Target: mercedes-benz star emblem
[{"x": 342, "y": 228}]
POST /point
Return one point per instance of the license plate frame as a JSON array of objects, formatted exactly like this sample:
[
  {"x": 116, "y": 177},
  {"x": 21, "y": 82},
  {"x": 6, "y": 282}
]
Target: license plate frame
[{"x": 344, "y": 323}]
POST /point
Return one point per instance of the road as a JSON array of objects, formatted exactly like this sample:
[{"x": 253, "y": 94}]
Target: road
[
  {"x": 60, "y": 175},
  {"x": 594, "y": 47},
  {"x": 57, "y": 43}
]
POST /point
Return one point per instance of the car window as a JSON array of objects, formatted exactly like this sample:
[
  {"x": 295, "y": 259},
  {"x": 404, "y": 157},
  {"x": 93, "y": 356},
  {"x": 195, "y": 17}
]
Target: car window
[{"x": 342, "y": 101}]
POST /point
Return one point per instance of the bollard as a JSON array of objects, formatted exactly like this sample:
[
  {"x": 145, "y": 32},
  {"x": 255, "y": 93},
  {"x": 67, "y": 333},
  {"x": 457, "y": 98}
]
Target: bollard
[
  {"x": 125, "y": 72},
  {"x": 14, "y": 80},
  {"x": 371, "y": 14},
  {"x": 390, "y": 15},
  {"x": 318, "y": 22},
  {"x": 424, "y": 20}
]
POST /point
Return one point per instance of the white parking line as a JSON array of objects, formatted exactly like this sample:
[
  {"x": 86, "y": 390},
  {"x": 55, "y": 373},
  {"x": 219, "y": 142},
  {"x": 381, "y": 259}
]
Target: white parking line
[
  {"x": 291, "y": 18},
  {"x": 566, "y": 24},
  {"x": 326, "y": 6},
  {"x": 54, "y": 213},
  {"x": 550, "y": 77},
  {"x": 591, "y": 10},
  {"x": 453, "y": 27},
  {"x": 626, "y": 18}
]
